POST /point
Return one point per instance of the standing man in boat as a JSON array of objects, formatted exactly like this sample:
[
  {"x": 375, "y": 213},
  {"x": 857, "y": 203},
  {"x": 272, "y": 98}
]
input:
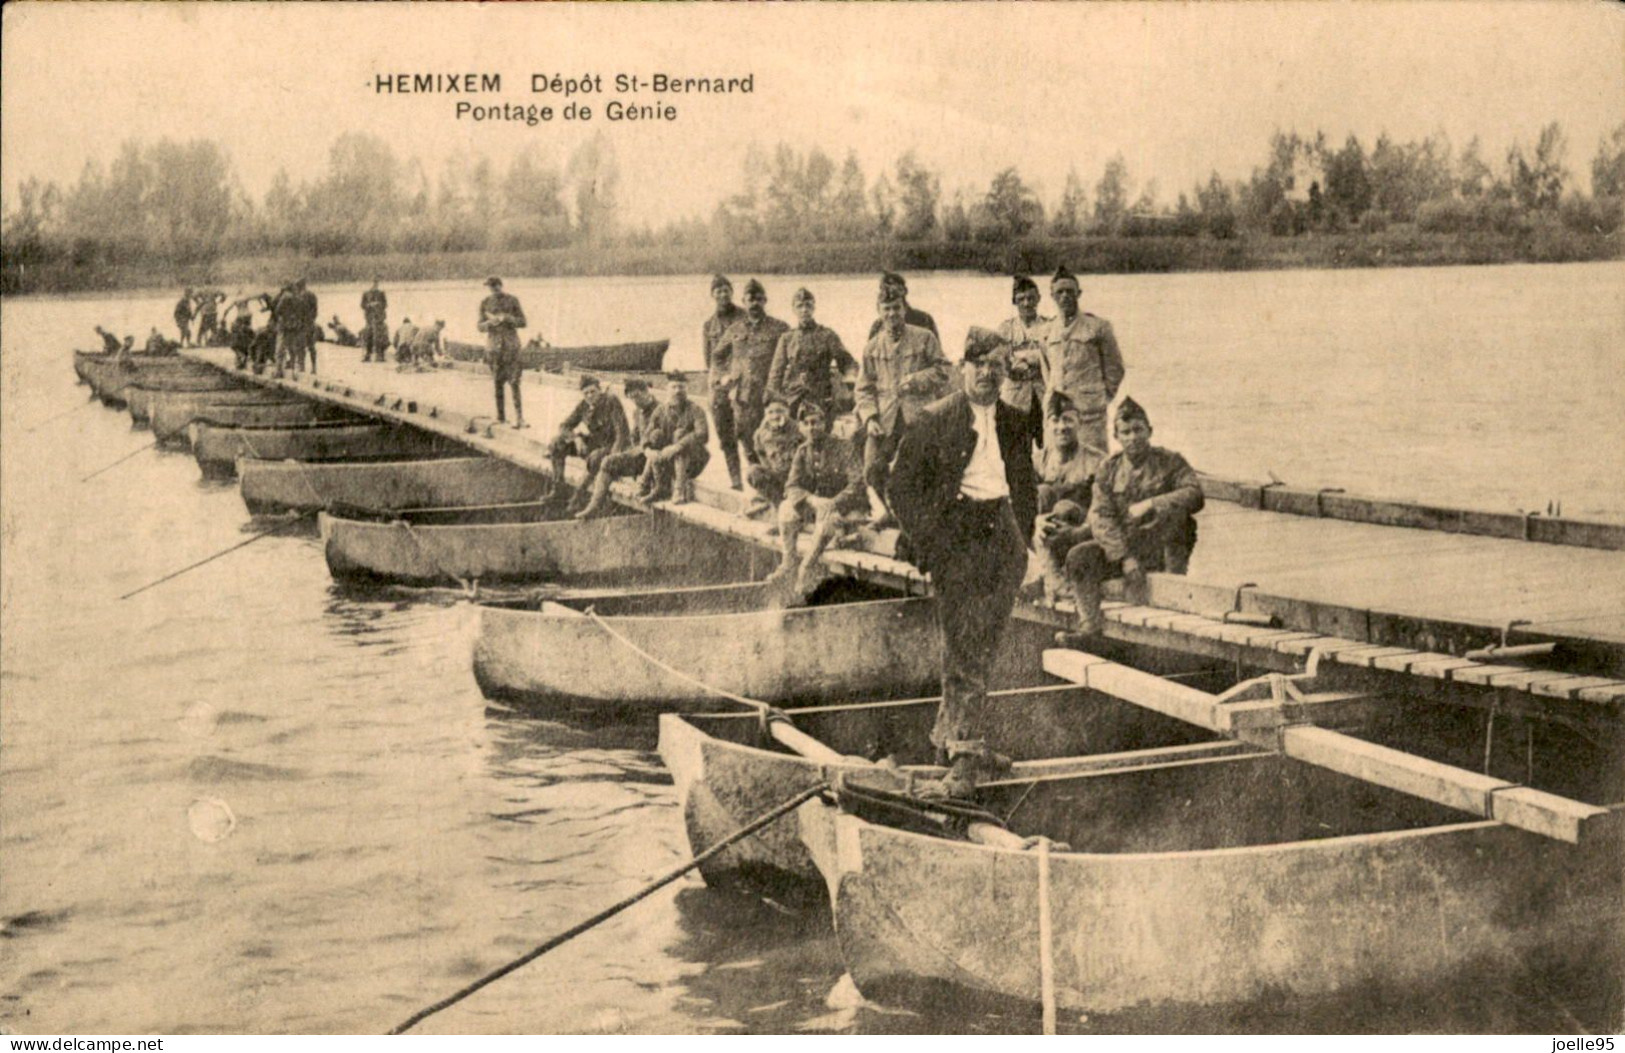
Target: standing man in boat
[
  {"x": 903, "y": 371},
  {"x": 1140, "y": 520},
  {"x": 1026, "y": 333},
  {"x": 681, "y": 425},
  {"x": 110, "y": 343},
  {"x": 825, "y": 484},
  {"x": 748, "y": 348},
  {"x": 716, "y": 365},
  {"x": 375, "y": 308},
  {"x": 594, "y": 430},
  {"x": 808, "y": 361},
  {"x": 631, "y": 461},
  {"x": 964, "y": 488},
  {"x": 1081, "y": 362},
  {"x": 501, "y": 318},
  {"x": 183, "y": 317},
  {"x": 911, "y": 314}
]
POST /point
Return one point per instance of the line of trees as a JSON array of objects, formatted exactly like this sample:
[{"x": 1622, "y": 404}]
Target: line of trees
[{"x": 181, "y": 203}]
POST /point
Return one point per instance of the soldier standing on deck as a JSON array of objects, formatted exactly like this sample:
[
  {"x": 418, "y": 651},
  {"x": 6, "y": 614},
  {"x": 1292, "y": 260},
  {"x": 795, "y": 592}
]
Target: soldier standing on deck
[
  {"x": 808, "y": 359},
  {"x": 375, "y": 308},
  {"x": 728, "y": 312},
  {"x": 1082, "y": 366},
  {"x": 748, "y": 348},
  {"x": 963, "y": 487},
  {"x": 501, "y": 318},
  {"x": 183, "y": 317},
  {"x": 903, "y": 370},
  {"x": 1026, "y": 333},
  {"x": 911, "y": 315}
]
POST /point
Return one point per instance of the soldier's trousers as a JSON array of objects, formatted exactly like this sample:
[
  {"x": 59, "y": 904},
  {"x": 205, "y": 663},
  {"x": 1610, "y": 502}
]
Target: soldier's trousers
[
  {"x": 1087, "y": 567},
  {"x": 722, "y": 415},
  {"x": 976, "y": 563}
]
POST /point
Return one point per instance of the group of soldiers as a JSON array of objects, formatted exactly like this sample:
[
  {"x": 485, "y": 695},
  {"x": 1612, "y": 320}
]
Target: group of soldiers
[
  {"x": 1011, "y": 458},
  {"x": 203, "y": 307}
]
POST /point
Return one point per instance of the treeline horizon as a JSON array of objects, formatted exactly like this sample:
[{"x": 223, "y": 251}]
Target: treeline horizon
[{"x": 180, "y": 205}]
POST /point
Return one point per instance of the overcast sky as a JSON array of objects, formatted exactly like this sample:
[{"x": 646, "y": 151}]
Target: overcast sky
[{"x": 1178, "y": 89}]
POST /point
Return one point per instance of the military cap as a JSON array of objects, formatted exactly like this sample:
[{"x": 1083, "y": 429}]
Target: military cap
[
  {"x": 720, "y": 281},
  {"x": 893, "y": 278},
  {"x": 1063, "y": 275},
  {"x": 891, "y": 294},
  {"x": 588, "y": 381},
  {"x": 635, "y": 385},
  {"x": 776, "y": 400},
  {"x": 754, "y": 287},
  {"x": 1128, "y": 409},
  {"x": 494, "y": 282},
  {"x": 1023, "y": 284},
  {"x": 980, "y": 342},
  {"x": 810, "y": 407},
  {"x": 803, "y": 295}
]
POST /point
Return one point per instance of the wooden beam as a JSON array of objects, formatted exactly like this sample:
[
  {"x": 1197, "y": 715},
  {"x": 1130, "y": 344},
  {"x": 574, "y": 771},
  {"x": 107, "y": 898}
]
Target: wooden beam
[{"x": 1270, "y": 724}]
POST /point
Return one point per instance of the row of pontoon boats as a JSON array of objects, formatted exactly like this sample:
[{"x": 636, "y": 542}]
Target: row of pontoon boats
[{"x": 1152, "y": 845}]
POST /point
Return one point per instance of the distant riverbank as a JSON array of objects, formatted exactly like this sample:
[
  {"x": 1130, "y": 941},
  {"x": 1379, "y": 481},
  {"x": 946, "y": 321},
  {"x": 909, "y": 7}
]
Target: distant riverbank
[{"x": 1396, "y": 247}]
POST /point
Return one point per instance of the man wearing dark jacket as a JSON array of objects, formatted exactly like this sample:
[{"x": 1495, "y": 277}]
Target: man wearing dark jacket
[{"x": 964, "y": 490}]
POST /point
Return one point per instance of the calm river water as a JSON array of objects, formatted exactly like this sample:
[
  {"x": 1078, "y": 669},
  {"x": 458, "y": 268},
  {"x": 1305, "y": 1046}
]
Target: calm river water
[{"x": 249, "y": 801}]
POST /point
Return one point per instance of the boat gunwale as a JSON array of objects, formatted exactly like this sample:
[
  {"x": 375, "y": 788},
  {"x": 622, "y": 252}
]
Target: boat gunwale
[{"x": 633, "y": 618}]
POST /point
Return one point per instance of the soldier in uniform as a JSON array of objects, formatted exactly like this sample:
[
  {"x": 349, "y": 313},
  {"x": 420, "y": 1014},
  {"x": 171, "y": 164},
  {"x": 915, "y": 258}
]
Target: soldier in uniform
[
  {"x": 680, "y": 425},
  {"x": 722, "y": 411},
  {"x": 594, "y": 430},
  {"x": 1026, "y": 334},
  {"x": 242, "y": 335},
  {"x": 183, "y": 317},
  {"x": 309, "y": 323},
  {"x": 911, "y": 314},
  {"x": 808, "y": 360},
  {"x": 501, "y": 318},
  {"x": 1081, "y": 362},
  {"x": 427, "y": 344},
  {"x": 1140, "y": 520},
  {"x": 825, "y": 483},
  {"x": 342, "y": 334},
  {"x": 110, "y": 343},
  {"x": 775, "y": 441},
  {"x": 631, "y": 461},
  {"x": 963, "y": 488},
  {"x": 375, "y": 308},
  {"x": 903, "y": 371},
  {"x": 748, "y": 348}
]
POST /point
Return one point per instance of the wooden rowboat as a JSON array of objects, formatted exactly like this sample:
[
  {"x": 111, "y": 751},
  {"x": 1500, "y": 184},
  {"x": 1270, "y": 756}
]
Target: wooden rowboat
[
  {"x": 217, "y": 447},
  {"x": 110, "y": 376},
  {"x": 174, "y": 411},
  {"x": 271, "y": 487},
  {"x": 643, "y": 357},
  {"x": 1194, "y": 874},
  {"x": 140, "y": 394},
  {"x": 524, "y": 543},
  {"x": 727, "y": 637},
  {"x": 728, "y": 767}
]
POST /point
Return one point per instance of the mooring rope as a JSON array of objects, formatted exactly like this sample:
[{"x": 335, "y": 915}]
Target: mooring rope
[
  {"x": 573, "y": 931},
  {"x": 301, "y": 517},
  {"x": 754, "y": 703}
]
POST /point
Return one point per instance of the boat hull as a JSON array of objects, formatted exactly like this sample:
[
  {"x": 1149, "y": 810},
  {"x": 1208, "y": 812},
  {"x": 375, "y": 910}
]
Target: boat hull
[
  {"x": 174, "y": 412},
  {"x": 110, "y": 378},
  {"x": 217, "y": 447},
  {"x": 874, "y": 649},
  {"x": 726, "y": 773},
  {"x": 1265, "y": 907},
  {"x": 619, "y": 548},
  {"x": 272, "y": 487},
  {"x": 643, "y": 357}
]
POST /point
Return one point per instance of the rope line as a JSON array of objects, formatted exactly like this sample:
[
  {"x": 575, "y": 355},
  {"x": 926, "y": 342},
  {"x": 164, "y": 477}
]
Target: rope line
[
  {"x": 604, "y": 915},
  {"x": 224, "y": 552},
  {"x": 754, "y": 703},
  {"x": 118, "y": 462}
]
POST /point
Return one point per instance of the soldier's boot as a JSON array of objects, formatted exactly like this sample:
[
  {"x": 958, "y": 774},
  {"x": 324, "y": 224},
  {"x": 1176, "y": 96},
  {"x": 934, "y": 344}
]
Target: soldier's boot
[
  {"x": 600, "y": 496},
  {"x": 730, "y": 454},
  {"x": 682, "y": 487}
]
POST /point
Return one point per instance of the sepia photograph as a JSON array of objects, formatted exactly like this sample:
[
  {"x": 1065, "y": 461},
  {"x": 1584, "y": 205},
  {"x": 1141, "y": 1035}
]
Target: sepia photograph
[{"x": 1100, "y": 519}]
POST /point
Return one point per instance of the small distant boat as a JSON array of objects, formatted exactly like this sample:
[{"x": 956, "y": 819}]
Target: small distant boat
[
  {"x": 518, "y": 543},
  {"x": 643, "y": 357},
  {"x": 271, "y": 487},
  {"x": 729, "y": 638},
  {"x": 218, "y": 446}
]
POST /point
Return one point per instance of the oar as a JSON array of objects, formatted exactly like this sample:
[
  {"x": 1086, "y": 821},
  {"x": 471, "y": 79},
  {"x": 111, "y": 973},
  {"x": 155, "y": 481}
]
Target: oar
[
  {"x": 120, "y": 461},
  {"x": 65, "y": 413},
  {"x": 573, "y": 931},
  {"x": 223, "y": 552}
]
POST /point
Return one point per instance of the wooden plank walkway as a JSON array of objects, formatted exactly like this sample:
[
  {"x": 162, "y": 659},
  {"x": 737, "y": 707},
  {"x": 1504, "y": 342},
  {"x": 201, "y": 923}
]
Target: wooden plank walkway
[{"x": 1391, "y": 601}]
